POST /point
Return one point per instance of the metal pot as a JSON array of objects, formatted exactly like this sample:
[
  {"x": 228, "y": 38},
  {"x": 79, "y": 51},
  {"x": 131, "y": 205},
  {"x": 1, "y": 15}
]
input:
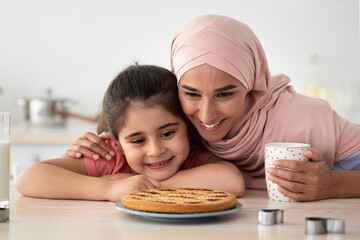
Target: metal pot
[{"x": 45, "y": 110}]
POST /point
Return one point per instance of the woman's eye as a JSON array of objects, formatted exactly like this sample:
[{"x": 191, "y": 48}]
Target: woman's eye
[
  {"x": 225, "y": 94},
  {"x": 167, "y": 134},
  {"x": 192, "y": 94},
  {"x": 138, "y": 141}
]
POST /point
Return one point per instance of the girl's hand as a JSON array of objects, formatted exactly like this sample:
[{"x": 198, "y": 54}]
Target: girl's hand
[
  {"x": 91, "y": 146},
  {"x": 135, "y": 183},
  {"x": 315, "y": 180}
]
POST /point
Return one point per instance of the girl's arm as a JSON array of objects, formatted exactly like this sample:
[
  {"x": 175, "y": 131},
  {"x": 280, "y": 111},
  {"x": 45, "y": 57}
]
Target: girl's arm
[
  {"x": 66, "y": 178},
  {"x": 214, "y": 174}
]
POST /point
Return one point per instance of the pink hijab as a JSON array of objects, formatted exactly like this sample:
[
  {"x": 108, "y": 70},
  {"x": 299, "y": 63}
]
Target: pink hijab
[{"x": 274, "y": 112}]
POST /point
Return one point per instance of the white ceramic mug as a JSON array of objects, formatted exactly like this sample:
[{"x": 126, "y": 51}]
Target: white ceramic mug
[{"x": 286, "y": 151}]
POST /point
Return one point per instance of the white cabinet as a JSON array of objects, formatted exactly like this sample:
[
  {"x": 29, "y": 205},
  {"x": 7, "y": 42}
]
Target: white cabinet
[
  {"x": 31, "y": 144},
  {"x": 23, "y": 155}
]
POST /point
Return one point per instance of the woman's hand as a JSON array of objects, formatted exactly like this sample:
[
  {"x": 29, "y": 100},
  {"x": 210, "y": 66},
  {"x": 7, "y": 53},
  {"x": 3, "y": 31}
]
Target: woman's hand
[
  {"x": 91, "y": 146},
  {"x": 117, "y": 188},
  {"x": 315, "y": 180}
]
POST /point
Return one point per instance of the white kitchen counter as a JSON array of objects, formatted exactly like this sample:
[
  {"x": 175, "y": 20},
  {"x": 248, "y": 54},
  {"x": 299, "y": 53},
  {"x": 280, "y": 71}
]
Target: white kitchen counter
[
  {"x": 24, "y": 133},
  {"x": 43, "y": 219}
]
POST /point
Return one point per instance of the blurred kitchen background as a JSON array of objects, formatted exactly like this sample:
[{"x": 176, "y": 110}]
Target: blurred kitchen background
[{"x": 69, "y": 50}]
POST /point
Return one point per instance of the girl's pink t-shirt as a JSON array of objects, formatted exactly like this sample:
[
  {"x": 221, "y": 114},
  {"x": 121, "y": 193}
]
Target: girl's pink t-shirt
[{"x": 118, "y": 164}]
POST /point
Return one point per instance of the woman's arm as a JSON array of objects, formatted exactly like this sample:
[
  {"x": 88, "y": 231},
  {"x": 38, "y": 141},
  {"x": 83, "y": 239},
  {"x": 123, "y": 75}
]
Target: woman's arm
[
  {"x": 215, "y": 174},
  {"x": 65, "y": 178},
  {"x": 315, "y": 181}
]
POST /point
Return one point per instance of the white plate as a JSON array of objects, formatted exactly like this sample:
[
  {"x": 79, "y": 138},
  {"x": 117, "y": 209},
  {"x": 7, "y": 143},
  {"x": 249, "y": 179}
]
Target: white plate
[{"x": 119, "y": 206}]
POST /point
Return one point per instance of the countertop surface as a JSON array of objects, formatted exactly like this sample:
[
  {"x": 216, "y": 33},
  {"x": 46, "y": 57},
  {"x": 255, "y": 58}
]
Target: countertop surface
[
  {"x": 25, "y": 133},
  {"x": 33, "y": 218}
]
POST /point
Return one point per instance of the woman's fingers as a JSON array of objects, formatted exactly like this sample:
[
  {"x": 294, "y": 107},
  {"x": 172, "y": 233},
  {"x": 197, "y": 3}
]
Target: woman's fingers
[
  {"x": 91, "y": 140},
  {"x": 105, "y": 135},
  {"x": 84, "y": 151},
  {"x": 73, "y": 154},
  {"x": 297, "y": 191},
  {"x": 300, "y": 197},
  {"x": 92, "y": 146},
  {"x": 296, "y": 165},
  {"x": 287, "y": 174}
]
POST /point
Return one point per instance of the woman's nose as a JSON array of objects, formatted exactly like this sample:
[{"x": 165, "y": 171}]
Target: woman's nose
[
  {"x": 155, "y": 148},
  {"x": 207, "y": 111}
]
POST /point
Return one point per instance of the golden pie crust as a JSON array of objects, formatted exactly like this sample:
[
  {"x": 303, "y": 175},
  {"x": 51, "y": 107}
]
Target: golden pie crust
[{"x": 179, "y": 200}]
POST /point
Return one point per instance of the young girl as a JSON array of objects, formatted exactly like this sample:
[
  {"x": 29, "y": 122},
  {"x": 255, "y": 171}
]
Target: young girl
[{"x": 142, "y": 112}]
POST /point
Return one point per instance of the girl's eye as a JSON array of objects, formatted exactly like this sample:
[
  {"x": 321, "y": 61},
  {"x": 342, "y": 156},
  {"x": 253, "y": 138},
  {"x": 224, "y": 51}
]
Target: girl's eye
[
  {"x": 138, "y": 141},
  {"x": 167, "y": 134},
  {"x": 225, "y": 94},
  {"x": 192, "y": 94}
]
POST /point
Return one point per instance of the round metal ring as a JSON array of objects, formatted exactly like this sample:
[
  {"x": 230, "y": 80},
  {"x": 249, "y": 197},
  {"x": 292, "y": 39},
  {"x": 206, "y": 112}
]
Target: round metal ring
[{"x": 270, "y": 216}]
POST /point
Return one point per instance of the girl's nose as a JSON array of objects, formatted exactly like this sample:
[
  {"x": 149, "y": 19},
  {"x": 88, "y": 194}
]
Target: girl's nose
[
  {"x": 207, "y": 111},
  {"x": 155, "y": 148}
]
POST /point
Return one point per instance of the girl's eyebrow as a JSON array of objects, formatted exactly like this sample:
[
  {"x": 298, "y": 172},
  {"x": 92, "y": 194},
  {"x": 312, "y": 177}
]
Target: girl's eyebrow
[
  {"x": 168, "y": 125},
  {"x": 226, "y": 88},
  {"x": 159, "y": 128}
]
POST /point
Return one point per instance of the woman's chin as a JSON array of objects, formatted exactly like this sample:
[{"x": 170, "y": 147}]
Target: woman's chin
[{"x": 211, "y": 137}]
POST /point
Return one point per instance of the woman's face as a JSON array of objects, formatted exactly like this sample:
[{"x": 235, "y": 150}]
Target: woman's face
[
  {"x": 154, "y": 141},
  {"x": 212, "y": 100}
]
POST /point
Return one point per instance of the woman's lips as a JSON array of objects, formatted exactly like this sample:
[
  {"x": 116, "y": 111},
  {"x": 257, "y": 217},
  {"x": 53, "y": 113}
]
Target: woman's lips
[
  {"x": 211, "y": 127},
  {"x": 160, "y": 164}
]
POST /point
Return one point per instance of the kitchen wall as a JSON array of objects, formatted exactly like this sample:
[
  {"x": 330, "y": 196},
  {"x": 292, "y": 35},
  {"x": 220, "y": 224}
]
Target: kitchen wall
[{"x": 76, "y": 47}]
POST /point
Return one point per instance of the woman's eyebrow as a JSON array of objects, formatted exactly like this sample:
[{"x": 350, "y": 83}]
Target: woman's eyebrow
[
  {"x": 187, "y": 87},
  {"x": 225, "y": 88}
]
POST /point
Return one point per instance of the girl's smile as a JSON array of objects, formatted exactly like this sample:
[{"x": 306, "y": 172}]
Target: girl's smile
[
  {"x": 161, "y": 164},
  {"x": 154, "y": 141}
]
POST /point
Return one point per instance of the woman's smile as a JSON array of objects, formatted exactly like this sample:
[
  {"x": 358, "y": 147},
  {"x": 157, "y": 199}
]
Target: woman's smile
[{"x": 213, "y": 126}]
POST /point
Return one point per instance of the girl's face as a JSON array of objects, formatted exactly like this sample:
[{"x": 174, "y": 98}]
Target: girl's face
[
  {"x": 154, "y": 141},
  {"x": 212, "y": 100}
]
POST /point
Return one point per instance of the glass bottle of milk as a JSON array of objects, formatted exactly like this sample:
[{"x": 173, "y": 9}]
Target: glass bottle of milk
[
  {"x": 4, "y": 165},
  {"x": 313, "y": 85}
]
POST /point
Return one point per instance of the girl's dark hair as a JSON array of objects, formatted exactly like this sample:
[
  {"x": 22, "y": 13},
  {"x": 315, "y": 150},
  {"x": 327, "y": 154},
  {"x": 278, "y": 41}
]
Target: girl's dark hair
[{"x": 148, "y": 84}]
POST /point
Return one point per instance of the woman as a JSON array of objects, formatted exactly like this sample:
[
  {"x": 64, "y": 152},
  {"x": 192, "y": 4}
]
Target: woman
[{"x": 227, "y": 92}]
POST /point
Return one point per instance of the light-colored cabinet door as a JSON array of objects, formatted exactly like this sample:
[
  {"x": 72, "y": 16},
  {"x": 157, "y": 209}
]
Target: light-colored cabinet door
[{"x": 23, "y": 155}]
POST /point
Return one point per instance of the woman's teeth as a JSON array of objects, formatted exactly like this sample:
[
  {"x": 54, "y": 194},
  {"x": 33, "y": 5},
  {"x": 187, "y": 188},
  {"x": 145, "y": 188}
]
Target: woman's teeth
[
  {"x": 212, "y": 125},
  {"x": 158, "y": 164}
]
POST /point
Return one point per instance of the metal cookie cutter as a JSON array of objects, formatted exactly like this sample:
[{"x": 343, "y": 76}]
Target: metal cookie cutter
[
  {"x": 270, "y": 216},
  {"x": 316, "y": 225}
]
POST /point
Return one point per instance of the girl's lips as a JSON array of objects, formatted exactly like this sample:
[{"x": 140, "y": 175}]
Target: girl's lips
[{"x": 161, "y": 164}]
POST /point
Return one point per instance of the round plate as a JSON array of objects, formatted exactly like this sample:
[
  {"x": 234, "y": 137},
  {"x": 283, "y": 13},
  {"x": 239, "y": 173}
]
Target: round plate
[{"x": 119, "y": 206}]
